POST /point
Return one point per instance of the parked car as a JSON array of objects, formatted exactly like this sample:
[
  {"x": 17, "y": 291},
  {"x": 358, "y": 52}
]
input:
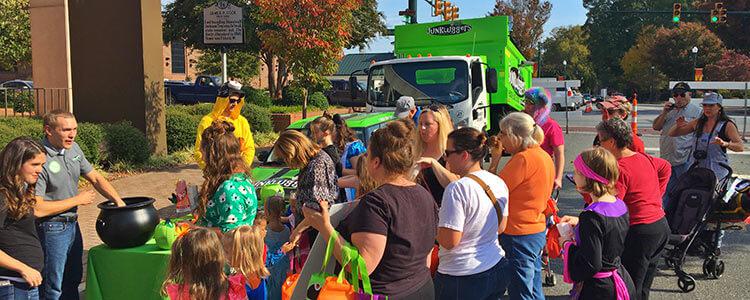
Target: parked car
[
  {"x": 341, "y": 95},
  {"x": 574, "y": 101},
  {"x": 18, "y": 84},
  {"x": 204, "y": 89},
  {"x": 272, "y": 170}
]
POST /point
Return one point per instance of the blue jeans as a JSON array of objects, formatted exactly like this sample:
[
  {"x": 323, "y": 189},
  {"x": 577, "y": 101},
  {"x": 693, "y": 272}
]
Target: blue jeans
[
  {"x": 677, "y": 171},
  {"x": 18, "y": 291},
  {"x": 524, "y": 253},
  {"x": 63, "y": 259},
  {"x": 489, "y": 284}
]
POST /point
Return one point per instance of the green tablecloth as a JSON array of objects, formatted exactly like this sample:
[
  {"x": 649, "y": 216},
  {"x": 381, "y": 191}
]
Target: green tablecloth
[{"x": 134, "y": 273}]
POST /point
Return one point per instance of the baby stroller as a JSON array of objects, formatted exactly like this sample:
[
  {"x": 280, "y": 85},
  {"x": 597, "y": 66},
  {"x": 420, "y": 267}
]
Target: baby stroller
[
  {"x": 691, "y": 202},
  {"x": 552, "y": 248}
]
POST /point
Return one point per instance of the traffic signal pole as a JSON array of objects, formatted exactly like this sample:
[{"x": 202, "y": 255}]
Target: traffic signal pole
[{"x": 413, "y": 9}]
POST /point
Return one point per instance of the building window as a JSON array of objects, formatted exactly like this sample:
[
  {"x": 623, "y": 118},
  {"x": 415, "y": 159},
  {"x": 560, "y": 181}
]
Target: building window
[{"x": 178, "y": 57}]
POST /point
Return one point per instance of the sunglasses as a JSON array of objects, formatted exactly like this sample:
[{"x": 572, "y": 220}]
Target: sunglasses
[
  {"x": 234, "y": 100},
  {"x": 449, "y": 152},
  {"x": 433, "y": 107},
  {"x": 678, "y": 95},
  {"x": 708, "y": 104}
]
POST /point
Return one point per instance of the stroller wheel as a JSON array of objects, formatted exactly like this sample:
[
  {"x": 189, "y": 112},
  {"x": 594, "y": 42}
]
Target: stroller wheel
[
  {"x": 686, "y": 283},
  {"x": 709, "y": 267},
  {"x": 719, "y": 269},
  {"x": 549, "y": 279}
]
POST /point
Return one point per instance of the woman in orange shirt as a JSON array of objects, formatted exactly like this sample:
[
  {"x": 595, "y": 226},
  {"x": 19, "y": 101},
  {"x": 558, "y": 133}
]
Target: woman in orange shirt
[{"x": 529, "y": 175}]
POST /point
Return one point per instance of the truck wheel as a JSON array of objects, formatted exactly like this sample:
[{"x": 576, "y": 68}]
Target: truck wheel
[{"x": 556, "y": 107}]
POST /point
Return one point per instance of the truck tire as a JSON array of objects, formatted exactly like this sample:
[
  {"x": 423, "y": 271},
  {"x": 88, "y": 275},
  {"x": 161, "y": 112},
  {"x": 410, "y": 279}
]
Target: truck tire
[{"x": 556, "y": 107}]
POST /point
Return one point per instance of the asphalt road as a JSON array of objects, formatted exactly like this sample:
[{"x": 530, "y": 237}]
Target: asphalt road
[{"x": 735, "y": 252}]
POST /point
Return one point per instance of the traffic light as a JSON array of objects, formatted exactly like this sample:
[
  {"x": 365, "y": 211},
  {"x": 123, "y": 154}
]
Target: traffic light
[
  {"x": 454, "y": 13},
  {"x": 446, "y": 10},
  {"x": 714, "y": 16},
  {"x": 437, "y": 8},
  {"x": 408, "y": 14},
  {"x": 676, "y": 12},
  {"x": 721, "y": 12}
]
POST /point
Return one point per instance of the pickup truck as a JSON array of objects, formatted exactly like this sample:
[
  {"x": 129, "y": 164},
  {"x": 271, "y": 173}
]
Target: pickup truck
[
  {"x": 340, "y": 94},
  {"x": 204, "y": 89}
]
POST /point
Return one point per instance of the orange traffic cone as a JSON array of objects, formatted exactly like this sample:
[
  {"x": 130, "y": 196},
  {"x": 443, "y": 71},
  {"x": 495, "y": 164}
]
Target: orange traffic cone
[{"x": 634, "y": 121}]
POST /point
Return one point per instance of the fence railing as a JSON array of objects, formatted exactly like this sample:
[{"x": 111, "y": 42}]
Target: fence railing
[{"x": 32, "y": 102}]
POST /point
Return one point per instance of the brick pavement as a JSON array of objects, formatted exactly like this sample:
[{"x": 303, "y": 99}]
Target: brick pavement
[{"x": 158, "y": 185}]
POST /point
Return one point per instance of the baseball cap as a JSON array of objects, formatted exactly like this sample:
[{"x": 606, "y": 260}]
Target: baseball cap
[
  {"x": 612, "y": 102},
  {"x": 229, "y": 88},
  {"x": 404, "y": 104},
  {"x": 681, "y": 87},
  {"x": 712, "y": 98}
]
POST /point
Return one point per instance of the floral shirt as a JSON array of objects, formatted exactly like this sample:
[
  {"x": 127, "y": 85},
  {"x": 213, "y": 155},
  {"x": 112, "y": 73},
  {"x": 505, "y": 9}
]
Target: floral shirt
[
  {"x": 317, "y": 181},
  {"x": 233, "y": 204}
]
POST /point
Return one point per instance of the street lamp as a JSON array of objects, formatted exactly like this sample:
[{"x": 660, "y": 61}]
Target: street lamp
[
  {"x": 565, "y": 69},
  {"x": 653, "y": 75},
  {"x": 695, "y": 57}
]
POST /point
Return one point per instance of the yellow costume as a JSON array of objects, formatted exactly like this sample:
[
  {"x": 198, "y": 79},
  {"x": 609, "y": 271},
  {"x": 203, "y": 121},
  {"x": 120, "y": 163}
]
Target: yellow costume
[{"x": 241, "y": 129}]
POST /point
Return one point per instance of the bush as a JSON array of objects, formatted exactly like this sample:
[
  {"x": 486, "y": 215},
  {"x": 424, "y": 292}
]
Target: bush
[
  {"x": 181, "y": 130},
  {"x": 91, "y": 140},
  {"x": 293, "y": 95},
  {"x": 258, "y": 117},
  {"x": 318, "y": 100},
  {"x": 258, "y": 97},
  {"x": 200, "y": 109},
  {"x": 20, "y": 100},
  {"x": 126, "y": 144}
]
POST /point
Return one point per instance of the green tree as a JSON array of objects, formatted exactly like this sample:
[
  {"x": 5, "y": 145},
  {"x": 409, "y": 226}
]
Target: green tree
[
  {"x": 529, "y": 17},
  {"x": 639, "y": 71},
  {"x": 734, "y": 32},
  {"x": 613, "y": 27},
  {"x": 569, "y": 44},
  {"x": 306, "y": 36},
  {"x": 671, "y": 49},
  {"x": 368, "y": 22},
  {"x": 241, "y": 64},
  {"x": 15, "y": 34}
]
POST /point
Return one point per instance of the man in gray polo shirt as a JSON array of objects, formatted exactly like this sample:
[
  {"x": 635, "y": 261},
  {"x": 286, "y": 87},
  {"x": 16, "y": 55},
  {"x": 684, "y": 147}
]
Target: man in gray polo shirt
[
  {"x": 676, "y": 150},
  {"x": 57, "y": 200}
]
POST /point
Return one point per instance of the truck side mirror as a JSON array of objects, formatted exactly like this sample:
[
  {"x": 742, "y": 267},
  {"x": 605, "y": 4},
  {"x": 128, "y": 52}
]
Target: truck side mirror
[
  {"x": 353, "y": 86},
  {"x": 491, "y": 79}
]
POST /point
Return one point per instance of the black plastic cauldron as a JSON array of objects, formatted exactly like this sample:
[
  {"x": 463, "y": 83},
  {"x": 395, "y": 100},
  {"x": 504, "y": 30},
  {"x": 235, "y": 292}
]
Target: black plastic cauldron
[{"x": 128, "y": 226}]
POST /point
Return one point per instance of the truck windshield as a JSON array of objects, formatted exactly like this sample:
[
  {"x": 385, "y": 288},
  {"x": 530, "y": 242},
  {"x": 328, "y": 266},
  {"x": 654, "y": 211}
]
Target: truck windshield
[{"x": 445, "y": 81}]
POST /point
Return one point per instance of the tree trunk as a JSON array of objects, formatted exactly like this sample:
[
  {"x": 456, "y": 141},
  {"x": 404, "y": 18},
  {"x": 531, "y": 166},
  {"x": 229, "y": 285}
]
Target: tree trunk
[
  {"x": 304, "y": 103},
  {"x": 270, "y": 61}
]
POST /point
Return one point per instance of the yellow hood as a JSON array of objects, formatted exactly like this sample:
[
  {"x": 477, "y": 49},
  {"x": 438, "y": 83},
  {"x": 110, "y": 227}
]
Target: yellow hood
[{"x": 221, "y": 105}]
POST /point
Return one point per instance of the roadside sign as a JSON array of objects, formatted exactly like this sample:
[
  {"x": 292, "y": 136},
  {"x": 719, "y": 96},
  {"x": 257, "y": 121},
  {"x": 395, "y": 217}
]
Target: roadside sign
[{"x": 222, "y": 24}]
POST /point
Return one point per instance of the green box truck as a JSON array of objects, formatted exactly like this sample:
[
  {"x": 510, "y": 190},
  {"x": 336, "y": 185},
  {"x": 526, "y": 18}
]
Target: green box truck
[{"x": 471, "y": 66}]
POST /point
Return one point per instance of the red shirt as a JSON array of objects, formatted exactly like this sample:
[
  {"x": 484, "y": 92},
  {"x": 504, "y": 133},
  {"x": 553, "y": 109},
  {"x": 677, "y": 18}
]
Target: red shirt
[
  {"x": 642, "y": 182},
  {"x": 553, "y": 136},
  {"x": 637, "y": 144}
]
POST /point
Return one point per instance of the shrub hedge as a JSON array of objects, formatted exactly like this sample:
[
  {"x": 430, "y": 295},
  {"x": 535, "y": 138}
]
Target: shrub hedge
[
  {"x": 125, "y": 143},
  {"x": 318, "y": 100}
]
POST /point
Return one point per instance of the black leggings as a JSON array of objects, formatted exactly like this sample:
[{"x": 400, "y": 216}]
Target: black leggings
[
  {"x": 426, "y": 292},
  {"x": 643, "y": 247}
]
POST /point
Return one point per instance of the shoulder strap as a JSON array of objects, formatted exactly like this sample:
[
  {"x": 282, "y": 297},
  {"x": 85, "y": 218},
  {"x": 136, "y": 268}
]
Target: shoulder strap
[{"x": 490, "y": 194}]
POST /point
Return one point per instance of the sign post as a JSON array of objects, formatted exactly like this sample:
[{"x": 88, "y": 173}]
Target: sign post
[{"x": 222, "y": 25}]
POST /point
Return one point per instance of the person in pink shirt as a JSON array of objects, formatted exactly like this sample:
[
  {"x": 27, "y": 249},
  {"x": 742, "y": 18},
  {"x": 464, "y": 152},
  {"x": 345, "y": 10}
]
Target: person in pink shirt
[{"x": 538, "y": 106}]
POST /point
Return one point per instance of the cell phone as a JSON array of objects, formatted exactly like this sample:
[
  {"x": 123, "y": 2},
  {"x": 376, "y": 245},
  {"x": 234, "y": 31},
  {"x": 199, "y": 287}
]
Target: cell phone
[
  {"x": 313, "y": 205},
  {"x": 569, "y": 176}
]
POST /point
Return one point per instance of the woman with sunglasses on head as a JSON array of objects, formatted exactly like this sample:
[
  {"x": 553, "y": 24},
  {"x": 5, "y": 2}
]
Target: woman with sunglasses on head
[
  {"x": 21, "y": 255},
  {"x": 715, "y": 132},
  {"x": 350, "y": 148},
  {"x": 432, "y": 138},
  {"x": 538, "y": 105},
  {"x": 229, "y": 102}
]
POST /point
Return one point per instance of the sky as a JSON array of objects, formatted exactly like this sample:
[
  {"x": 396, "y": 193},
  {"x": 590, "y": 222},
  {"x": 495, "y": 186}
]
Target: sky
[{"x": 564, "y": 13}]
